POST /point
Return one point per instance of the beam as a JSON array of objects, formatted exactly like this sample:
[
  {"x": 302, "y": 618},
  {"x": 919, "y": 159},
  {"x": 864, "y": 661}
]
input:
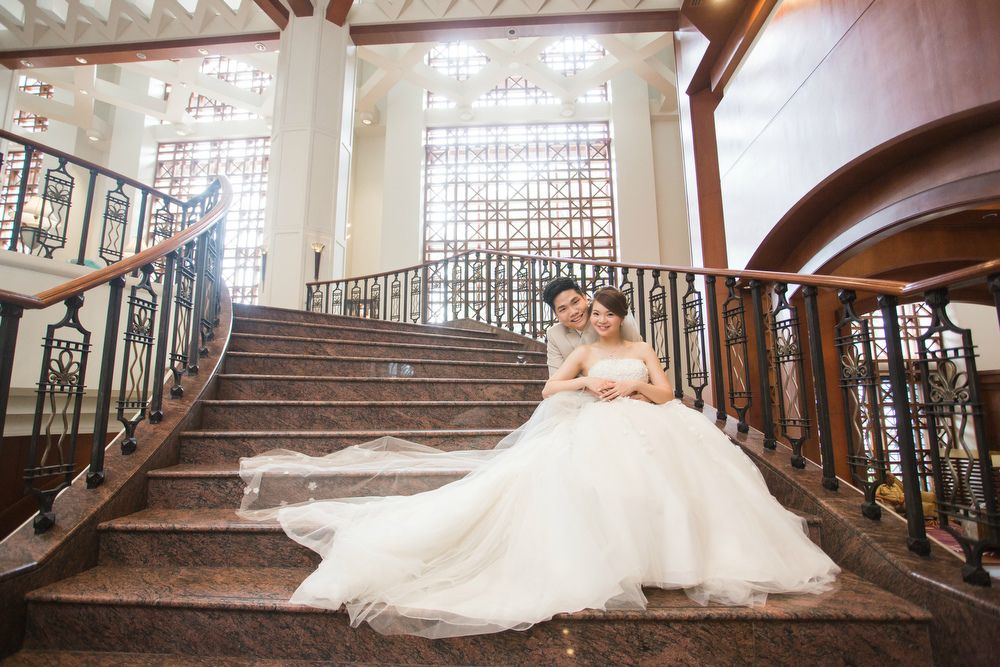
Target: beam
[
  {"x": 137, "y": 52},
  {"x": 336, "y": 11},
  {"x": 589, "y": 23},
  {"x": 275, "y": 11},
  {"x": 735, "y": 49},
  {"x": 302, "y": 7}
]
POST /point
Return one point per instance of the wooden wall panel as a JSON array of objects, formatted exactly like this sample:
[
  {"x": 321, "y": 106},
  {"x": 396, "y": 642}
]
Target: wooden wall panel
[{"x": 900, "y": 66}]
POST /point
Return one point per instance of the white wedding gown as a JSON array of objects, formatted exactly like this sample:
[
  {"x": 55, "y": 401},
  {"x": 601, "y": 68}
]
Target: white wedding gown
[{"x": 580, "y": 508}]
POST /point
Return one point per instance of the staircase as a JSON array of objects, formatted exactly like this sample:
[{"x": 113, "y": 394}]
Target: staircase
[{"x": 186, "y": 581}]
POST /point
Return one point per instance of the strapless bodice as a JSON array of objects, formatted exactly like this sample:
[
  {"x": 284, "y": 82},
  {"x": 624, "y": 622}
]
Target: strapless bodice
[{"x": 620, "y": 369}]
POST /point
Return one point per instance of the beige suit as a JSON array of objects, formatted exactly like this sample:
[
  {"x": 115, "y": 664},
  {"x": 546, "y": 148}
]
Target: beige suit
[{"x": 561, "y": 340}]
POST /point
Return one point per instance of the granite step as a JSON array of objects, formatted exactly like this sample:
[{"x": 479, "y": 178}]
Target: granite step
[
  {"x": 244, "y": 612},
  {"x": 217, "y": 537},
  {"x": 218, "y": 485},
  {"x": 332, "y": 388},
  {"x": 47, "y": 658},
  {"x": 379, "y": 366},
  {"x": 219, "y": 446},
  {"x": 246, "y": 342},
  {"x": 247, "y": 311},
  {"x": 338, "y": 331},
  {"x": 362, "y": 415}
]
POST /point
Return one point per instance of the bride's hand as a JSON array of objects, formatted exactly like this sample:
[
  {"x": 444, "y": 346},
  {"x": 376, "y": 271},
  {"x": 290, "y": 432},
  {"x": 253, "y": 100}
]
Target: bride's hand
[
  {"x": 618, "y": 389},
  {"x": 597, "y": 385}
]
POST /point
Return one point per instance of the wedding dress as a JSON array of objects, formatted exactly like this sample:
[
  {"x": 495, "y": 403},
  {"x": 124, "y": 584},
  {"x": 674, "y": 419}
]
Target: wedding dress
[{"x": 581, "y": 507}]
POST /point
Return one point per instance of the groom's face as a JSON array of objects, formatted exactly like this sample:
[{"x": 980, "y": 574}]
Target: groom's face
[{"x": 571, "y": 309}]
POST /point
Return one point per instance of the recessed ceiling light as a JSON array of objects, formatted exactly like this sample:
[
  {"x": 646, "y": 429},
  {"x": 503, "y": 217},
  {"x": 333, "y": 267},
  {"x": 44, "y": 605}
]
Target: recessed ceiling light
[
  {"x": 260, "y": 46},
  {"x": 93, "y": 137},
  {"x": 203, "y": 52},
  {"x": 27, "y": 63},
  {"x": 81, "y": 60},
  {"x": 83, "y": 92},
  {"x": 140, "y": 55}
]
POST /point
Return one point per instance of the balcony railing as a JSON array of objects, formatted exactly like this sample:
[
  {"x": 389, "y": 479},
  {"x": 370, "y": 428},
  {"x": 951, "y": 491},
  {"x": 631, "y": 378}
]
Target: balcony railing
[{"x": 783, "y": 351}]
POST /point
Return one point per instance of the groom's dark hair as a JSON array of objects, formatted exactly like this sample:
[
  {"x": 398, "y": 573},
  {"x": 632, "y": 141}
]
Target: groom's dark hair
[{"x": 557, "y": 287}]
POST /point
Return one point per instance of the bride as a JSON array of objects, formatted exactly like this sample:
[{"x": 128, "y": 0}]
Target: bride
[{"x": 596, "y": 496}]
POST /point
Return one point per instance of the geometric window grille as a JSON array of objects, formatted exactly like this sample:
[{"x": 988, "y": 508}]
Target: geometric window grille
[
  {"x": 566, "y": 57},
  {"x": 543, "y": 188},
  {"x": 184, "y": 169},
  {"x": 13, "y": 160},
  {"x": 235, "y": 72}
]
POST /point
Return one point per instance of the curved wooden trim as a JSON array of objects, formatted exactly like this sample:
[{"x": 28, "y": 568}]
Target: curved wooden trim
[
  {"x": 833, "y": 282},
  {"x": 83, "y": 283},
  {"x": 55, "y": 152}
]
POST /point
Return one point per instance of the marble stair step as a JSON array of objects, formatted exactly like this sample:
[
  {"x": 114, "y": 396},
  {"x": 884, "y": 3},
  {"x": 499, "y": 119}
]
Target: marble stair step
[
  {"x": 204, "y": 537},
  {"x": 362, "y": 415},
  {"x": 218, "y": 485},
  {"x": 46, "y": 658},
  {"x": 247, "y": 311},
  {"x": 218, "y": 446},
  {"x": 332, "y": 388},
  {"x": 377, "y": 366},
  {"x": 215, "y": 537},
  {"x": 246, "y": 342},
  {"x": 339, "y": 331},
  {"x": 244, "y": 612}
]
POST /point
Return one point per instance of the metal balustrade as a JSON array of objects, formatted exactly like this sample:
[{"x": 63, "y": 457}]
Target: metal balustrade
[{"x": 747, "y": 337}]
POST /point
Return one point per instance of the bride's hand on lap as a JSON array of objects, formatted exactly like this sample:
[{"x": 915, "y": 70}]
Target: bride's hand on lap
[
  {"x": 613, "y": 390},
  {"x": 597, "y": 386}
]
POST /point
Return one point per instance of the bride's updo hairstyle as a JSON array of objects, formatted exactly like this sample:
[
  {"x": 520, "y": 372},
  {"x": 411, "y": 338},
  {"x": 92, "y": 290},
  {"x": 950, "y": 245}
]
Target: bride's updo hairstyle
[{"x": 612, "y": 299}]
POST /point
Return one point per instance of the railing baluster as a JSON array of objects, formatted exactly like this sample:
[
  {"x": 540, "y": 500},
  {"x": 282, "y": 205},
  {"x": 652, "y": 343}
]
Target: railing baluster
[
  {"x": 194, "y": 347},
  {"x": 133, "y": 390},
  {"x": 823, "y": 429},
  {"x": 694, "y": 340},
  {"x": 641, "y": 282},
  {"x": 713, "y": 329},
  {"x": 87, "y": 211},
  {"x": 22, "y": 192},
  {"x": 789, "y": 371},
  {"x": 162, "y": 339},
  {"x": 763, "y": 382},
  {"x": 734, "y": 322},
  {"x": 95, "y": 476},
  {"x": 917, "y": 541},
  {"x": 10, "y": 320},
  {"x": 675, "y": 330}
]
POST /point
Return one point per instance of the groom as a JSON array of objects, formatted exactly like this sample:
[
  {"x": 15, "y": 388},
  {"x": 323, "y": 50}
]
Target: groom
[{"x": 572, "y": 309}]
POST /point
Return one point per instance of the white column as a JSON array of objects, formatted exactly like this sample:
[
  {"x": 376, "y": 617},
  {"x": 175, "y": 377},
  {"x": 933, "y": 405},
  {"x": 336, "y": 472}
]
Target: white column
[
  {"x": 401, "y": 201},
  {"x": 631, "y": 140},
  {"x": 310, "y": 159}
]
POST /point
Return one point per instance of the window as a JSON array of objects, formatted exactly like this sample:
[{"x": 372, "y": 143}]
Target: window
[
  {"x": 13, "y": 160},
  {"x": 566, "y": 57},
  {"x": 185, "y": 169},
  {"x": 240, "y": 74},
  {"x": 538, "y": 189}
]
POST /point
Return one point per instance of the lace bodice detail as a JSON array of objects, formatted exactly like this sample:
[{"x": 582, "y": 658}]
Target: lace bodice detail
[{"x": 620, "y": 369}]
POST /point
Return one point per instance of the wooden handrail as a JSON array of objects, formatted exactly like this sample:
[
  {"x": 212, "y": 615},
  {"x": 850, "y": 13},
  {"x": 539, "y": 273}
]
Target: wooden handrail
[
  {"x": 959, "y": 278},
  {"x": 80, "y": 285},
  {"x": 833, "y": 282},
  {"x": 55, "y": 152}
]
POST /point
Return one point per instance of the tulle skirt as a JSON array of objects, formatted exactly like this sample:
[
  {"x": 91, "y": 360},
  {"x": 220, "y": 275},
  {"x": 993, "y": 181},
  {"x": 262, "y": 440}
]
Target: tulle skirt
[{"x": 580, "y": 508}]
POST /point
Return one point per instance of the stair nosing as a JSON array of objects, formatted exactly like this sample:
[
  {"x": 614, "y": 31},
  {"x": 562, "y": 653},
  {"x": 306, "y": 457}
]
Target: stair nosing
[
  {"x": 326, "y": 357},
  {"x": 248, "y": 402},
  {"x": 453, "y": 333},
  {"x": 373, "y": 378},
  {"x": 368, "y": 343},
  {"x": 327, "y": 434}
]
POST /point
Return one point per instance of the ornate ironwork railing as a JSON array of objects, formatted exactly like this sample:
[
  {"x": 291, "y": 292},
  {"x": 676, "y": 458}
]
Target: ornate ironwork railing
[
  {"x": 171, "y": 310},
  {"x": 770, "y": 327},
  {"x": 56, "y": 205}
]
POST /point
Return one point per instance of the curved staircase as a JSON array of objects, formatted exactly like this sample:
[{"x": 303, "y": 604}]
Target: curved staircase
[{"x": 186, "y": 581}]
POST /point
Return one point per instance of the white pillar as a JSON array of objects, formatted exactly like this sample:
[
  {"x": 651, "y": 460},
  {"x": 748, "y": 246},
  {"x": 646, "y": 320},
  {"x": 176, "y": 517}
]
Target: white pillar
[
  {"x": 310, "y": 159},
  {"x": 401, "y": 215},
  {"x": 631, "y": 135}
]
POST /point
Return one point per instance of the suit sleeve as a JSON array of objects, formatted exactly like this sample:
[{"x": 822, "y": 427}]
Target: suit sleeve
[
  {"x": 554, "y": 356},
  {"x": 630, "y": 329}
]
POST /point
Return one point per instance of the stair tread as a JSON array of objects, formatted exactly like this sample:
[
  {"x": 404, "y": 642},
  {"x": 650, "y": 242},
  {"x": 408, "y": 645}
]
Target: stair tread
[
  {"x": 258, "y": 402},
  {"x": 516, "y": 346},
  {"x": 328, "y": 434},
  {"x": 232, "y": 469},
  {"x": 54, "y": 658},
  {"x": 393, "y": 360},
  {"x": 268, "y": 589},
  {"x": 374, "y": 378},
  {"x": 333, "y": 317},
  {"x": 453, "y": 334}
]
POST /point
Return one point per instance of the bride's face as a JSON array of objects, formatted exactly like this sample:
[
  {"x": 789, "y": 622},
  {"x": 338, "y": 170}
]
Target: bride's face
[{"x": 603, "y": 320}]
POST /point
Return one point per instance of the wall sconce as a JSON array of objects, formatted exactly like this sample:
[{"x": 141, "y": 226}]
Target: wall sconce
[{"x": 317, "y": 253}]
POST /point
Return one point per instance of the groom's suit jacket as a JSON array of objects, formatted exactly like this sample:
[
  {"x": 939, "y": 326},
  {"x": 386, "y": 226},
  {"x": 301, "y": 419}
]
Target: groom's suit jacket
[{"x": 562, "y": 340}]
